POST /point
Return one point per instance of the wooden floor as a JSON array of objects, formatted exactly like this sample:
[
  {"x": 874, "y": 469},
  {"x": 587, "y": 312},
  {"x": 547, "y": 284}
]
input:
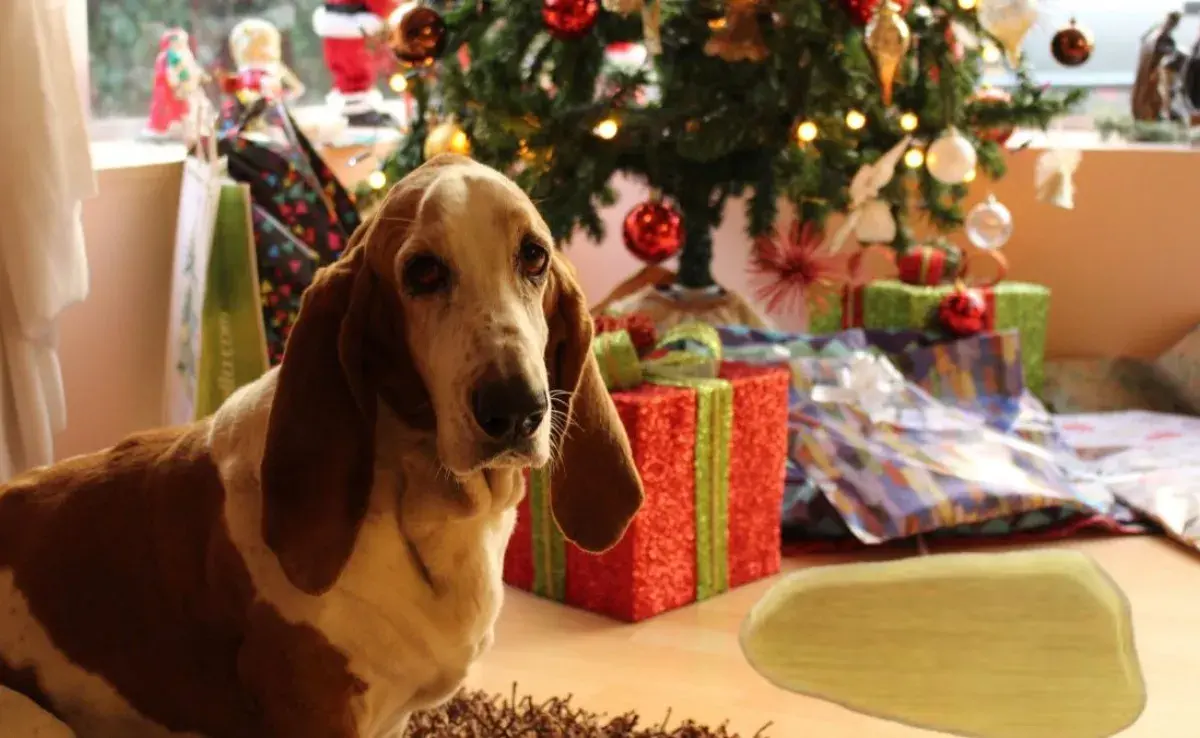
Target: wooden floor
[{"x": 689, "y": 660}]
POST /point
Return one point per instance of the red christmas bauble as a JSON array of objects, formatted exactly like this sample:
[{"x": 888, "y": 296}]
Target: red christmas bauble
[
  {"x": 653, "y": 231},
  {"x": 993, "y": 96},
  {"x": 1072, "y": 46},
  {"x": 418, "y": 37},
  {"x": 569, "y": 19},
  {"x": 963, "y": 312},
  {"x": 862, "y": 11}
]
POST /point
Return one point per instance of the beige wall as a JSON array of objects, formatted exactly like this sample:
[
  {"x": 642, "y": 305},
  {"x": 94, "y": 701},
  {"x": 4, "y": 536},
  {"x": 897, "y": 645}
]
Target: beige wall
[
  {"x": 112, "y": 346},
  {"x": 1123, "y": 267}
]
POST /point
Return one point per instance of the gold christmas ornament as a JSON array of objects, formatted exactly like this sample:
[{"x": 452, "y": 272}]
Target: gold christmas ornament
[
  {"x": 737, "y": 36},
  {"x": 1008, "y": 21},
  {"x": 888, "y": 40},
  {"x": 447, "y": 138}
]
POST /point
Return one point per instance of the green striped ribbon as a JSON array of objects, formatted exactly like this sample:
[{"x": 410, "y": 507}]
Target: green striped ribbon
[
  {"x": 714, "y": 435},
  {"x": 618, "y": 360},
  {"x": 549, "y": 547}
]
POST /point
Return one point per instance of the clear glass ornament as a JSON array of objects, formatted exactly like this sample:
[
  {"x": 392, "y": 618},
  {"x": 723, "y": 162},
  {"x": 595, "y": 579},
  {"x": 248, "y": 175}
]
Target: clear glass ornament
[{"x": 989, "y": 224}]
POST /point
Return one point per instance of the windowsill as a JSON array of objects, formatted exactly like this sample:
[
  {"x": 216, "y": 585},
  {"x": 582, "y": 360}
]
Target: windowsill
[
  {"x": 120, "y": 154},
  {"x": 130, "y": 153},
  {"x": 1092, "y": 141},
  {"x": 116, "y": 143}
]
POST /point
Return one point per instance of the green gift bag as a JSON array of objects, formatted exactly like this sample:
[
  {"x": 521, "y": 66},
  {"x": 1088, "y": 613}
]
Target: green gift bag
[{"x": 233, "y": 349}]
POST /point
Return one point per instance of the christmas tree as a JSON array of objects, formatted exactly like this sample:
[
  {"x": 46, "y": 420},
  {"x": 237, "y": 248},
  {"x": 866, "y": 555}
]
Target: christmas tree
[{"x": 765, "y": 99}]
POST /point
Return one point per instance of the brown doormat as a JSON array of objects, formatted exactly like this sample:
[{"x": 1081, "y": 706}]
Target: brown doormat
[{"x": 480, "y": 715}]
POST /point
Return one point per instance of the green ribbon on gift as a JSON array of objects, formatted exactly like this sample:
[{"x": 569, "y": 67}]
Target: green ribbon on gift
[
  {"x": 549, "y": 547},
  {"x": 689, "y": 355}
]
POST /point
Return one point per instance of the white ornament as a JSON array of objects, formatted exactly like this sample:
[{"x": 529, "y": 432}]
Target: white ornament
[
  {"x": 1009, "y": 21},
  {"x": 951, "y": 158},
  {"x": 875, "y": 223},
  {"x": 1054, "y": 177},
  {"x": 989, "y": 225},
  {"x": 866, "y": 185}
]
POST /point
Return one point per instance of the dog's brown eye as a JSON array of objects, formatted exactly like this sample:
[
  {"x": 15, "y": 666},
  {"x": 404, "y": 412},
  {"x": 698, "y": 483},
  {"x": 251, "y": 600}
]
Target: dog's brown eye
[
  {"x": 425, "y": 273},
  {"x": 534, "y": 258}
]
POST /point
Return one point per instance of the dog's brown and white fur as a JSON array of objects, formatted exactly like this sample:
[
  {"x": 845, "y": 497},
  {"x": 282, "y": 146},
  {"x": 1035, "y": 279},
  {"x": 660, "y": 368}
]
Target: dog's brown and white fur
[{"x": 323, "y": 556}]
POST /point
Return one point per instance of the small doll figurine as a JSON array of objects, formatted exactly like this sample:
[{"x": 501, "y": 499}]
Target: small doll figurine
[
  {"x": 257, "y": 51},
  {"x": 177, "y": 79}
]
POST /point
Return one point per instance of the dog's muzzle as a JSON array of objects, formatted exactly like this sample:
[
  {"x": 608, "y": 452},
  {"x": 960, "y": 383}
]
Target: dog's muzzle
[{"x": 509, "y": 410}]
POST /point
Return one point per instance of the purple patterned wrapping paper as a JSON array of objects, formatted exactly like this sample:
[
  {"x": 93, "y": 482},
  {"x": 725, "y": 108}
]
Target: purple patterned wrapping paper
[
  {"x": 979, "y": 376},
  {"x": 894, "y": 462}
]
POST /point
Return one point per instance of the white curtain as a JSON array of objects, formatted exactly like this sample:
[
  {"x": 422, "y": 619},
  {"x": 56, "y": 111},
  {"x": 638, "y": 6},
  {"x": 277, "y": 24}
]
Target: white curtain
[{"x": 45, "y": 173}]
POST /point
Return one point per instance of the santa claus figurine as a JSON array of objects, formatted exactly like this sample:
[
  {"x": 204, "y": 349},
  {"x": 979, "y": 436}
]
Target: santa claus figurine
[
  {"x": 177, "y": 79},
  {"x": 257, "y": 51},
  {"x": 351, "y": 33}
]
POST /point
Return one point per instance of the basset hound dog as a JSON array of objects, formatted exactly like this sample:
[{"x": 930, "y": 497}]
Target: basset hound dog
[{"x": 322, "y": 556}]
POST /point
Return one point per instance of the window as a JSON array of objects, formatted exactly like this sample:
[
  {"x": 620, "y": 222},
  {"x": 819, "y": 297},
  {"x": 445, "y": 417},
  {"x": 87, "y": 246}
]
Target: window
[
  {"x": 1116, "y": 27},
  {"x": 123, "y": 38}
]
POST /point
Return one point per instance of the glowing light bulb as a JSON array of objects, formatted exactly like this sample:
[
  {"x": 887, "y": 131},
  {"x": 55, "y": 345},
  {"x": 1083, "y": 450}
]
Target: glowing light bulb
[
  {"x": 990, "y": 54},
  {"x": 909, "y": 122},
  {"x": 914, "y": 158},
  {"x": 459, "y": 143},
  {"x": 968, "y": 4},
  {"x": 398, "y": 83},
  {"x": 377, "y": 180},
  {"x": 606, "y": 129},
  {"x": 970, "y": 176},
  {"x": 806, "y": 131},
  {"x": 855, "y": 120}
]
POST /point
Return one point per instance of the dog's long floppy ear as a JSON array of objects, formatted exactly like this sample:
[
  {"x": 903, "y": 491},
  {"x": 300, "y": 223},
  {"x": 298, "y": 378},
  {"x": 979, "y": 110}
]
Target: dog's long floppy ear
[
  {"x": 595, "y": 487},
  {"x": 317, "y": 464}
]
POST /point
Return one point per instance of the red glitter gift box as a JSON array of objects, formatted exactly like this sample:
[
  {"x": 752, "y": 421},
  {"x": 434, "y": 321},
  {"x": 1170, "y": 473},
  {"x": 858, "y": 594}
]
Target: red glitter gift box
[{"x": 712, "y": 454}]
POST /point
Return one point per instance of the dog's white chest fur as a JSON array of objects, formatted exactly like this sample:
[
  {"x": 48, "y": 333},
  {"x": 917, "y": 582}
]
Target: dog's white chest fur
[{"x": 416, "y": 606}]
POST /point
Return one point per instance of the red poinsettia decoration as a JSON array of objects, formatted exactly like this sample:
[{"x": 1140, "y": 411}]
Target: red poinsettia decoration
[{"x": 795, "y": 268}]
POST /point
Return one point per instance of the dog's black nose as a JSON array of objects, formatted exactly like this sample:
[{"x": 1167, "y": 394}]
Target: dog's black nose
[{"x": 508, "y": 409}]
